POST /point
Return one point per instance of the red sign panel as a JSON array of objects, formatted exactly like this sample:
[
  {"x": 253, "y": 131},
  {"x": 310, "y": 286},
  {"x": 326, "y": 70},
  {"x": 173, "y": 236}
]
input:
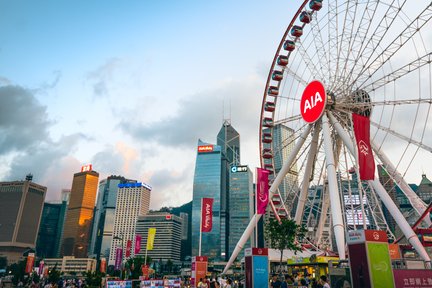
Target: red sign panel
[
  {"x": 168, "y": 217},
  {"x": 206, "y": 214},
  {"x": 86, "y": 168},
  {"x": 30, "y": 263},
  {"x": 375, "y": 236},
  {"x": 206, "y": 148},
  {"x": 313, "y": 101},
  {"x": 259, "y": 251},
  {"x": 412, "y": 278}
]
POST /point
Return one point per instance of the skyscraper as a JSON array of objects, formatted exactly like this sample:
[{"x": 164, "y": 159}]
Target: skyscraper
[
  {"x": 103, "y": 224},
  {"x": 207, "y": 184},
  {"x": 229, "y": 141},
  {"x": 133, "y": 200},
  {"x": 51, "y": 229},
  {"x": 241, "y": 201},
  {"x": 21, "y": 204},
  {"x": 76, "y": 235}
]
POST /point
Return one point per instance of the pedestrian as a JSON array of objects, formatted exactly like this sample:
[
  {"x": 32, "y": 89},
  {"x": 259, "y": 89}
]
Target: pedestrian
[
  {"x": 323, "y": 281},
  {"x": 275, "y": 283},
  {"x": 200, "y": 283},
  {"x": 229, "y": 282}
]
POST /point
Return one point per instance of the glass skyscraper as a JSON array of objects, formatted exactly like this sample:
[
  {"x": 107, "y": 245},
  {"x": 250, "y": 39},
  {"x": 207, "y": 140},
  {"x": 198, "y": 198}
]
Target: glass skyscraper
[
  {"x": 241, "y": 201},
  {"x": 207, "y": 184}
]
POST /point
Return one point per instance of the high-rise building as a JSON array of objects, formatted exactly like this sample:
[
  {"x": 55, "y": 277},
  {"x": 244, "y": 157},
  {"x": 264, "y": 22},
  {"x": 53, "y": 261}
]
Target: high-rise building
[
  {"x": 167, "y": 241},
  {"x": 283, "y": 142},
  {"x": 77, "y": 229},
  {"x": 185, "y": 212},
  {"x": 103, "y": 224},
  {"x": 133, "y": 200},
  {"x": 207, "y": 184},
  {"x": 241, "y": 202},
  {"x": 229, "y": 141},
  {"x": 21, "y": 204},
  {"x": 51, "y": 230}
]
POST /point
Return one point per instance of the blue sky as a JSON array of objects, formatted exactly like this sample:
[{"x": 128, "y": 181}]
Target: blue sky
[{"x": 130, "y": 86}]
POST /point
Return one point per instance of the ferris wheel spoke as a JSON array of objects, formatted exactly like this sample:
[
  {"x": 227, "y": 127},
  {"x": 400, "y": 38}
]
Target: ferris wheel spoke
[
  {"x": 414, "y": 27},
  {"x": 289, "y": 119},
  {"x": 298, "y": 78},
  {"x": 333, "y": 38},
  {"x": 369, "y": 46},
  {"x": 402, "y": 137},
  {"x": 320, "y": 48}
]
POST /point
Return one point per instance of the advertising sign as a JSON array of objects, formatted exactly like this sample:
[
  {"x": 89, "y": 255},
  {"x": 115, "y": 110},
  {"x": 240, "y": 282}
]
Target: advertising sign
[
  {"x": 394, "y": 251},
  {"x": 150, "y": 238},
  {"x": 236, "y": 169},
  {"x": 260, "y": 271},
  {"x": 102, "y": 267},
  {"x": 359, "y": 264},
  {"x": 119, "y": 284},
  {"x": 313, "y": 101},
  {"x": 205, "y": 148},
  {"x": 128, "y": 248},
  {"x": 365, "y": 156},
  {"x": 380, "y": 264},
  {"x": 30, "y": 263},
  {"x": 412, "y": 278},
  {"x": 198, "y": 269},
  {"x": 118, "y": 258},
  {"x": 262, "y": 194},
  {"x": 207, "y": 214},
  {"x": 137, "y": 243},
  {"x": 86, "y": 168}
]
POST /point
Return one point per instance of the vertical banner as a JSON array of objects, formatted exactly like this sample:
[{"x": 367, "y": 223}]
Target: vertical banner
[
  {"x": 206, "y": 214},
  {"x": 365, "y": 156},
  {"x": 118, "y": 258},
  {"x": 137, "y": 244},
  {"x": 128, "y": 248},
  {"x": 30, "y": 262},
  {"x": 102, "y": 267},
  {"x": 150, "y": 238},
  {"x": 262, "y": 193},
  {"x": 41, "y": 267}
]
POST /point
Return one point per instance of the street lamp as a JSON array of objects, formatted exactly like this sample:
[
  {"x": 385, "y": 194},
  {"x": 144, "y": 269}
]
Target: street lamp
[{"x": 121, "y": 265}]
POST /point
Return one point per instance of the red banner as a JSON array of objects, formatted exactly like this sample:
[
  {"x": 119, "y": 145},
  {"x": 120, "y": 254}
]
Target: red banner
[
  {"x": 102, "y": 267},
  {"x": 128, "y": 248},
  {"x": 262, "y": 193},
  {"x": 137, "y": 244},
  {"x": 365, "y": 156},
  {"x": 412, "y": 278},
  {"x": 30, "y": 263},
  {"x": 206, "y": 214}
]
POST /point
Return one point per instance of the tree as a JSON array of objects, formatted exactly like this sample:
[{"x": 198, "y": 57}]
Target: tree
[
  {"x": 54, "y": 274},
  {"x": 94, "y": 279},
  {"x": 135, "y": 264},
  {"x": 284, "y": 235}
]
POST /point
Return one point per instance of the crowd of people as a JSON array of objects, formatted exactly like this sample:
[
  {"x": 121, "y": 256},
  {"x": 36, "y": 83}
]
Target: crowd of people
[
  {"x": 216, "y": 283},
  {"x": 291, "y": 281}
]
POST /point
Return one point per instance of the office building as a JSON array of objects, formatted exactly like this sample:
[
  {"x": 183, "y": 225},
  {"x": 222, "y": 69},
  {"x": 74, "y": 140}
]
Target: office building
[
  {"x": 51, "y": 230},
  {"x": 207, "y": 184},
  {"x": 241, "y": 207},
  {"x": 133, "y": 200},
  {"x": 77, "y": 228},
  {"x": 21, "y": 204},
  {"x": 103, "y": 224},
  {"x": 167, "y": 241},
  {"x": 424, "y": 190},
  {"x": 69, "y": 265}
]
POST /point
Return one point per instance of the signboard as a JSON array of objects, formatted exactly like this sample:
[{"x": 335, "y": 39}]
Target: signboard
[
  {"x": 198, "y": 269},
  {"x": 380, "y": 264},
  {"x": 313, "y": 101},
  {"x": 160, "y": 283},
  {"x": 412, "y": 278},
  {"x": 119, "y": 284},
  {"x": 256, "y": 267},
  {"x": 205, "y": 148},
  {"x": 86, "y": 168},
  {"x": 236, "y": 169},
  {"x": 394, "y": 251},
  {"x": 30, "y": 262}
]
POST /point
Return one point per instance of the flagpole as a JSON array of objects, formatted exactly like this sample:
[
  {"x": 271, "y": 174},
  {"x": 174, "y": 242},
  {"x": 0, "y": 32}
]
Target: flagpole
[
  {"x": 145, "y": 257},
  {"x": 199, "y": 247}
]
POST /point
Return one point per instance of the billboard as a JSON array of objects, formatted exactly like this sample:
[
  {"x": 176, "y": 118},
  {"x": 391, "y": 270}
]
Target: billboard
[{"x": 205, "y": 148}]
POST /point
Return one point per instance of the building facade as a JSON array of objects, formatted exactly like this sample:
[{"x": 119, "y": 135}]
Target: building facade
[
  {"x": 241, "y": 199},
  {"x": 133, "y": 200},
  {"x": 167, "y": 241},
  {"x": 207, "y": 184},
  {"x": 103, "y": 224},
  {"x": 70, "y": 265},
  {"x": 79, "y": 218},
  {"x": 51, "y": 230},
  {"x": 21, "y": 204}
]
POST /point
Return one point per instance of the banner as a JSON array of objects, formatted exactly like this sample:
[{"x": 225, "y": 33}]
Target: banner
[
  {"x": 150, "y": 238},
  {"x": 365, "y": 156},
  {"x": 206, "y": 214},
  {"x": 137, "y": 243},
  {"x": 128, "y": 248},
  {"x": 118, "y": 258},
  {"x": 102, "y": 267},
  {"x": 262, "y": 193},
  {"x": 30, "y": 262},
  {"x": 41, "y": 267}
]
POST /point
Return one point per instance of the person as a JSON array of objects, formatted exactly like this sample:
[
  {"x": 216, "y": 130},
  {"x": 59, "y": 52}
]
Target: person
[
  {"x": 303, "y": 283},
  {"x": 205, "y": 283},
  {"x": 229, "y": 282},
  {"x": 200, "y": 283},
  {"x": 275, "y": 283},
  {"x": 323, "y": 281}
]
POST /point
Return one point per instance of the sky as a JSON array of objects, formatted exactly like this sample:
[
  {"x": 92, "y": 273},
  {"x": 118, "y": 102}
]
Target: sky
[{"x": 130, "y": 87}]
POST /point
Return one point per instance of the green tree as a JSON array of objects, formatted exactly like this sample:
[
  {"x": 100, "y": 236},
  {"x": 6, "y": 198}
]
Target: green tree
[
  {"x": 134, "y": 266},
  {"x": 94, "y": 279},
  {"x": 284, "y": 235},
  {"x": 54, "y": 274},
  {"x": 18, "y": 271}
]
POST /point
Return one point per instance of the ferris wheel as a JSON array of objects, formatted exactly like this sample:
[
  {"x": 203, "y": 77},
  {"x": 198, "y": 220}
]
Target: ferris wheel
[{"x": 371, "y": 58}]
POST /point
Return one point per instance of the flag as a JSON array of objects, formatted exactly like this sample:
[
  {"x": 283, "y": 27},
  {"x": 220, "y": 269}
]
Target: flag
[
  {"x": 118, "y": 258},
  {"x": 41, "y": 267},
  {"x": 128, "y": 248},
  {"x": 137, "y": 243},
  {"x": 365, "y": 156},
  {"x": 206, "y": 214},
  {"x": 262, "y": 193},
  {"x": 103, "y": 265},
  {"x": 150, "y": 238}
]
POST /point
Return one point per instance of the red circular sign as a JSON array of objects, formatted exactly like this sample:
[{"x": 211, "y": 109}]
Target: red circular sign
[{"x": 313, "y": 101}]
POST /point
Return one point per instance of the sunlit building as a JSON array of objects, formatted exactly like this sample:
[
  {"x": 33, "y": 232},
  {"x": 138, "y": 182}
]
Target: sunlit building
[{"x": 79, "y": 217}]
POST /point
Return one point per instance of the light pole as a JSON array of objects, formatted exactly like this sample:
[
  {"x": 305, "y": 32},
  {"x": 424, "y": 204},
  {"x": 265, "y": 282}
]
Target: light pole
[{"x": 121, "y": 265}]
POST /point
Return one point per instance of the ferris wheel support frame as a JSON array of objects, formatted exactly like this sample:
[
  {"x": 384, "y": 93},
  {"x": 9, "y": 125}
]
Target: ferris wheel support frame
[
  {"x": 388, "y": 202},
  {"x": 308, "y": 172},
  {"x": 418, "y": 204},
  {"x": 273, "y": 189},
  {"x": 335, "y": 202}
]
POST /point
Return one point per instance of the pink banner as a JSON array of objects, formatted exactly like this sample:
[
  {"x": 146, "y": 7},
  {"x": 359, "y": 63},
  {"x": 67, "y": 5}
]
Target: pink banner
[
  {"x": 118, "y": 258},
  {"x": 128, "y": 248},
  {"x": 137, "y": 244},
  {"x": 365, "y": 156},
  {"x": 206, "y": 214},
  {"x": 262, "y": 193}
]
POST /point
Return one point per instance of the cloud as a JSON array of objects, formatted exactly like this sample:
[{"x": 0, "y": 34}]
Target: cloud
[{"x": 101, "y": 77}]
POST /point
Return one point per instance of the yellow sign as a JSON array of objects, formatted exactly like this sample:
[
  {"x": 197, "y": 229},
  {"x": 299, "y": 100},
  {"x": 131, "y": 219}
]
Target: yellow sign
[{"x": 150, "y": 238}]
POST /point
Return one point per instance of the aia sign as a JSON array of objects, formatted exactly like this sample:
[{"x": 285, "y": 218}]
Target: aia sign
[{"x": 313, "y": 101}]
